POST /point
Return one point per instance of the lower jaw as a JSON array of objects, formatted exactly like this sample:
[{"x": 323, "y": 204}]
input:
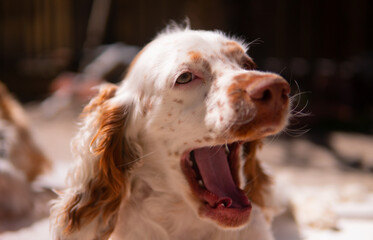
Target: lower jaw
[{"x": 226, "y": 217}]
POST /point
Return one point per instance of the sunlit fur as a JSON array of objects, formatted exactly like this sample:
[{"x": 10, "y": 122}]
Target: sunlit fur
[{"x": 127, "y": 182}]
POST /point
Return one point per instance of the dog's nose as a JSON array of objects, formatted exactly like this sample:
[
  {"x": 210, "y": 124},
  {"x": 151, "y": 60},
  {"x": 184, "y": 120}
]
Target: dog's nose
[
  {"x": 261, "y": 101},
  {"x": 270, "y": 92}
]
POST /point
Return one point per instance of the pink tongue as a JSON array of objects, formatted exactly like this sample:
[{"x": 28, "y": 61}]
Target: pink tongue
[{"x": 213, "y": 166}]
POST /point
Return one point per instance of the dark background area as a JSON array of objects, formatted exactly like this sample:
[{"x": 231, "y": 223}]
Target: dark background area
[{"x": 325, "y": 47}]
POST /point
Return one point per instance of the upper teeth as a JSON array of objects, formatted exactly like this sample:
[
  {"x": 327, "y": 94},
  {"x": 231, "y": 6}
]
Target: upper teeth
[{"x": 226, "y": 148}]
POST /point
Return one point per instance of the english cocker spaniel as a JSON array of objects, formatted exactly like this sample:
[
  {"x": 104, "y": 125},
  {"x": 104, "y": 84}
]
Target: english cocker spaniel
[
  {"x": 170, "y": 153},
  {"x": 21, "y": 162}
]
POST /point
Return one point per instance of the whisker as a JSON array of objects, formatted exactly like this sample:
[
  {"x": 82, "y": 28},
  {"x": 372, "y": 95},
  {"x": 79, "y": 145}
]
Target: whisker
[
  {"x": 254, "y": 42},
  {"x": 274, "y": 138},
  {"x": 283, "y": 69},
  {"x": 297, "y": 132},
  {"x": 295, "y": 112},
  {"x": 137, "y": 159}
]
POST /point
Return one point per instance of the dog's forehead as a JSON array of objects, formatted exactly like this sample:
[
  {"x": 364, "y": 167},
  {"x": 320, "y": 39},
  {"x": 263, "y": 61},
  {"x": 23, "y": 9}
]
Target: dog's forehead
[
  {"x": 207, "y": 42},
  {"x": 159, "y": 62}
]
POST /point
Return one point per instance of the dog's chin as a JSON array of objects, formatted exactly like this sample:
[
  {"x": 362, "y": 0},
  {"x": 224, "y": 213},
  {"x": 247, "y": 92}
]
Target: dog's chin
[
  {"x": 226, "y": 218},
  {"x": 212, "y": 174}
]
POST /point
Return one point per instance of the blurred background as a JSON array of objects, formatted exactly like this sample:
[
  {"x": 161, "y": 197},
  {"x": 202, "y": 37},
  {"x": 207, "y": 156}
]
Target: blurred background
[
  {"x": 324, "y": 46},
  {"x": 53, "y": 50}
]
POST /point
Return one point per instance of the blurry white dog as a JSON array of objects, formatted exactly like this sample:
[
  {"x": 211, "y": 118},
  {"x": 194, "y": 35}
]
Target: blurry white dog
[{"x": 21, "y": 161}]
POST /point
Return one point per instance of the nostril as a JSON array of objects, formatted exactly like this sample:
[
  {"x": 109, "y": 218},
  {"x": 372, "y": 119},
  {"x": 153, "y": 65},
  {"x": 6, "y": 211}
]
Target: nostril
[
  {"x": 270, "y": 90},
  {"x": 267, "y": 95},
  {"x": 261, "y": 94}
]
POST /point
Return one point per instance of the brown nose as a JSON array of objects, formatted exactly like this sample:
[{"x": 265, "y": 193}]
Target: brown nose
[
  {"x": 270, "y": 92},
  {"x": 261, "y": 101}
]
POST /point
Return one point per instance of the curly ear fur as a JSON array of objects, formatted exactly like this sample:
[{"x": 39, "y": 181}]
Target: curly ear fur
[
  {"x": 257, "y": 181},
  {"x": 100, "y": 180}
]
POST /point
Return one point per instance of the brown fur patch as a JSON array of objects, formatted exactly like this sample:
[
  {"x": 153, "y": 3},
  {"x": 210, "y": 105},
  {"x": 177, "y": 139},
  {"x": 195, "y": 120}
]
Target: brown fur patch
[
  {"x": 232, "y": 44},
  {"x": 179, "y": 101},
  {"x": 257, "y": 180},
  {"x": 248, "y": 63},
  {"x": 238, "y": 99},
  {"x": 232, "y": 49},
  {"x": 207, "y": 139},
  {"x": 195, "y": 56},
  {"x": 107, "y": 91}
]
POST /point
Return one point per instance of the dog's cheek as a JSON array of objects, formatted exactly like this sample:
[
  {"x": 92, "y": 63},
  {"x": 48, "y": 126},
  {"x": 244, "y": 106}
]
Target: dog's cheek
[{"x": 219, "y": 114}]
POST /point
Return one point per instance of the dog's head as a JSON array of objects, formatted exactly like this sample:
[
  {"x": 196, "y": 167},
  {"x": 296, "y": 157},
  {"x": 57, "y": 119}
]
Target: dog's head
[
  {"x": 202, "y": 98},
  {"x": 195, "y": 99}
]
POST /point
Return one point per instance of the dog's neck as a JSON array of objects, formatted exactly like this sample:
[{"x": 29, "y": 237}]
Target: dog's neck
[
  {"x": 155, "y": 207},
  {"x": 155, "y": 211}
]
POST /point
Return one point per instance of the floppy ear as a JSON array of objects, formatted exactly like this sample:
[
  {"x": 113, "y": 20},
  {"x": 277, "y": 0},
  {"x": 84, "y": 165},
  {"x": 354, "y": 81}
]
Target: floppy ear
[
  {"x": 100, "y": 179},
  {"x": 258, "y": 182}
]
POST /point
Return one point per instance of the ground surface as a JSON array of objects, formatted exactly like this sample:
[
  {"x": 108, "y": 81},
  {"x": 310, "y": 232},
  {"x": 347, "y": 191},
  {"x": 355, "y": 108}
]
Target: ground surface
[{"x": 330, "y": 200}]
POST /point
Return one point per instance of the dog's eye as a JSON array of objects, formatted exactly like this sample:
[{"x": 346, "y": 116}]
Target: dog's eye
[
  {"x": 248, "y": 65},
  {"x": 185, "y": 78}
]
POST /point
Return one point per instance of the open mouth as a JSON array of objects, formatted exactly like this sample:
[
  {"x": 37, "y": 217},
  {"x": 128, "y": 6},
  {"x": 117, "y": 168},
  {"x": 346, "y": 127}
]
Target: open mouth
[{"x": 212, "y": 173}]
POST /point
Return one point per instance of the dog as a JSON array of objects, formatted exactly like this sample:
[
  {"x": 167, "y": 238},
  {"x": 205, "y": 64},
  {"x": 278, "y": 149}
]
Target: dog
[
  {"x": 21, "y": 161},
  {"x": 170, "y": 153}
]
